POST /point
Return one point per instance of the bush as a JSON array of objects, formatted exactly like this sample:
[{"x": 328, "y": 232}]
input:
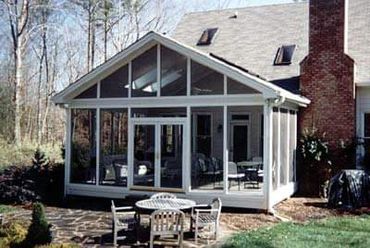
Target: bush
[
  {"x": 12, "y": 235},
  {"x": 315, "y": 164},
  {"x": 43, "y": 181},
  {"x": 39, "y": 232}
]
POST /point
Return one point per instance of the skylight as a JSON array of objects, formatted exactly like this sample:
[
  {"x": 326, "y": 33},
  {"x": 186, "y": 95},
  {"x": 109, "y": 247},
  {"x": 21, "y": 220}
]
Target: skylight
[
  {"x": 207, "y": 37},
  {"x": 284, "y": 55}
]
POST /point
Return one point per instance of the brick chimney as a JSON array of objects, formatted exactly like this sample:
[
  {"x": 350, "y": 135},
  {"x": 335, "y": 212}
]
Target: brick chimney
[{"x": 327, "y": 73}]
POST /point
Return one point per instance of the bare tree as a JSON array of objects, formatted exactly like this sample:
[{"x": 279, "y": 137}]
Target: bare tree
[{"x": 18, "y": 17}]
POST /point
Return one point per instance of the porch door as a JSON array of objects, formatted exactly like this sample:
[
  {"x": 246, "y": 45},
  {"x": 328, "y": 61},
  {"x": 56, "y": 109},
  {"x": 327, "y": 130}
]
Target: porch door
[
  {"x": 239, "y": 142},
  {"x": 158, "y": 154}
]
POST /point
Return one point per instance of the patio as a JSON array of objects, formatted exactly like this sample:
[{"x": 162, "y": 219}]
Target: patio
[{"x": 90, "y": 226}]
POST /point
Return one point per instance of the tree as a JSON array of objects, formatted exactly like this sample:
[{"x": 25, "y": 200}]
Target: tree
[{"x": 18, "y": 17}]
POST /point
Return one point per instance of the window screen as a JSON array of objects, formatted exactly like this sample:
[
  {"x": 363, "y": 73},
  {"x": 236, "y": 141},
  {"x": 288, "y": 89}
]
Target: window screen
[{"x": 116, "y": 84}]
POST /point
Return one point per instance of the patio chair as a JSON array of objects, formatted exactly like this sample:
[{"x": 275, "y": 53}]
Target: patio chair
[
  {"x": 163, "y": 196},
  {"x": 166, "y": 222},
  {"x": 203, "y": 216},
  {"x": 124, "y": 218},
  {"x": 213, "y": 170},
  {"x": 233, "y": 174}
]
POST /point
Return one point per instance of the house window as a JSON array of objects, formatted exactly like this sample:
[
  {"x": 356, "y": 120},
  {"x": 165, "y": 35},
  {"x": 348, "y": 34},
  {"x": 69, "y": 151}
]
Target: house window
[
  {"x": 284, "y": 55},
  {"x": 207, "y": 37},
  {"x": 116, "y": 84},
  {"x": 113, "y": 147},
  {"x": 366, "y": 138},
  {"x": 83, "y": 146},
  {"x": 89, "y": 93},
  {"x": 205, "y": 81},
  {"x": 144, "y": 74},
  {"x": 173, "y": 73}
]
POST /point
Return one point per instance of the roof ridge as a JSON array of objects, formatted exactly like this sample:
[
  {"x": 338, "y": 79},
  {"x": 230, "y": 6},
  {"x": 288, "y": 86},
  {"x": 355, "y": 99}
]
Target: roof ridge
[{"x": 244, "y": 8}]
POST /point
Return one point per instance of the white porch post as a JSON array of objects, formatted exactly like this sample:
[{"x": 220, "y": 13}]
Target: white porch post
[
  {"x": 267, "y": 158},
  {"x": 97, "y": 140},
  {"x": 67, "y": 147},
  {"x": 188, "y": 150},
  {"x": 226, "y": 152}
]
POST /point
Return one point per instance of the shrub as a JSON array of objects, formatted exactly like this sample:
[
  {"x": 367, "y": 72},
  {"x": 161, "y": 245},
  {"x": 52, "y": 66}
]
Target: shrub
[
  {"x": 39, "y": 231},
  {"x": 315, "y": 163},
  {"x": 43, "y": 181},
  {"x": 12, "y": 235}
]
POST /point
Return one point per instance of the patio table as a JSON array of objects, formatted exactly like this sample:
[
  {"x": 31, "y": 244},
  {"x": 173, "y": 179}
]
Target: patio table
[{"x": 154, "y": 204}]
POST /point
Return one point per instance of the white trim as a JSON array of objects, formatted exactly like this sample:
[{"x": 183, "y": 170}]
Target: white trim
[
  {"x": 287, "y": 177},
  {"x": 268, "y": 156},
  {"x": 98, "y": 93},
  {"x": 68, "y": 140},
  {"x": 278, "y": 150},
  {"x": 188, "y": 76},
  {"x": 170, "y": 101},
  {"x": 97, "y": 145},
  {"x": 268, "y": 89},
  {"x": 188, "y": 151},
  {"x": 226, "y": 151},
  {"x": 129, "y": 79},
  {"x": 159, "y": 85}
]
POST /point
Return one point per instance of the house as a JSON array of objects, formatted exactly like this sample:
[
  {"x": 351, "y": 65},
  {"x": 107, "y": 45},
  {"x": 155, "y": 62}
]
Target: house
[{"x": 214, "y": 110}]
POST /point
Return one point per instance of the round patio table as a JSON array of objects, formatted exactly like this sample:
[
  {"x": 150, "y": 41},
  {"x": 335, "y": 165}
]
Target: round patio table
[{"x": 154, "y": 204}]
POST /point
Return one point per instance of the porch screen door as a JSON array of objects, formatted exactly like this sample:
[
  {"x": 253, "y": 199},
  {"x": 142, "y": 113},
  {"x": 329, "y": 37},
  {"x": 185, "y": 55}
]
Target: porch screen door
[{"x": 158, "y": 155}]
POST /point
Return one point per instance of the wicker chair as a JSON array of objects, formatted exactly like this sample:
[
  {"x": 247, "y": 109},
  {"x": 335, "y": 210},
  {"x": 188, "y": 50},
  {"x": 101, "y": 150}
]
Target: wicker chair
[
  {"x": 167, "y": 222},
  {"x": 124, "y": 218},
  {"x": 206, "y": 216},
  {"x": 163, "y": 196}
]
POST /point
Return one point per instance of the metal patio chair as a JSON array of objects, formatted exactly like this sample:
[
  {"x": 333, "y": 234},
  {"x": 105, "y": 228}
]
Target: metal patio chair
[
  {"x": 165, "y": 222},
  {"x": 234, "y": 175}
]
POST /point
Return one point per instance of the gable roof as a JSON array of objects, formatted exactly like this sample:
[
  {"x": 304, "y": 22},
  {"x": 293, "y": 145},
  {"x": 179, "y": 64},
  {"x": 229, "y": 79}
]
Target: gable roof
[
  {"x": 268, "y": 89},
  {"x": 252, "y": 39}
]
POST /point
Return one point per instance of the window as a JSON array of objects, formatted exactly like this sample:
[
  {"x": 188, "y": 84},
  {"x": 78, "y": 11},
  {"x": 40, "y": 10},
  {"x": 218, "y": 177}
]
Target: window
[
  {"x": 207, "y": 37},
  {"x": 235, "y": 87},
  {"x": 173, "y": 73},
  {"x": 116, "y": 84},
  {"x": 203, "y": 139},
  {"x": 207, "y": 148},
  {"x": 113, "y": 147},
  {"x": 205, "y": 81},
  {"x": 83, "y": 146},
  {"x": 89, "y": 93},
  {"x": 144, "y": 74},
  {"x": 284, "y": 55}
]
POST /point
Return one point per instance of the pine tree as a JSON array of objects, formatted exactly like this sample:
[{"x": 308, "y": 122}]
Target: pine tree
[{"x": 39, "y": 231}]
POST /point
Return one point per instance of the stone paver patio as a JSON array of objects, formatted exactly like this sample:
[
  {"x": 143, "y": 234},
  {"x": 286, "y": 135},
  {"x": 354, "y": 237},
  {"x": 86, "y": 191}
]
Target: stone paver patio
[{"x": 91, "y": 227}]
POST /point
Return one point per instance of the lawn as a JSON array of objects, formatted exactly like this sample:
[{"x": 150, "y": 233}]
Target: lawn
[
  {"x": 331, "y": 232},
  {"x": 6, "y": 208}
]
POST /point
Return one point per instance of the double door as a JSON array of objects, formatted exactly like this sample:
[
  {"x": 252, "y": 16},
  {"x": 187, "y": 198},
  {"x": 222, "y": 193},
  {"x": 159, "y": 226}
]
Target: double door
[{"x": 158, "y": 153}]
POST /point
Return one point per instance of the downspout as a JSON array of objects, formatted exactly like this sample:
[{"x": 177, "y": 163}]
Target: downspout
[{"x": 272, "y": 102}]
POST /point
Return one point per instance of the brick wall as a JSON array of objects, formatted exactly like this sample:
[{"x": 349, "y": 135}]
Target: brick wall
[{"x": 327, "y": 74}]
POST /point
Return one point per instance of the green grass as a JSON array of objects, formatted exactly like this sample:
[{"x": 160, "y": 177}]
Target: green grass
[
  {"x": 6, "y": 209},
  {"x": 332, "y": 232}
]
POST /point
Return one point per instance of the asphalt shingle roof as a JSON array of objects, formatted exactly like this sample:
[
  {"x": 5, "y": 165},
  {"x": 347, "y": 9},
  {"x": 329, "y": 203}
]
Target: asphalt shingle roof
[{"x": 251, "y": 40}]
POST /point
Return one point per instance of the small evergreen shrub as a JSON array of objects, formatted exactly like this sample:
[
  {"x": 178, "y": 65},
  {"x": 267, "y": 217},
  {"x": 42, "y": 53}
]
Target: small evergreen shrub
[{"x": 39, "y": 231}]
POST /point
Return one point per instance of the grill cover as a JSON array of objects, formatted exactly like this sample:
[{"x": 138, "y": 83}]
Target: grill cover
[{"x": 349, "y": 189}]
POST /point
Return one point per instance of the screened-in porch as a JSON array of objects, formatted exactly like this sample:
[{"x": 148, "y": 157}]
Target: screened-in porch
[{"x": 165, "y": 118}]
